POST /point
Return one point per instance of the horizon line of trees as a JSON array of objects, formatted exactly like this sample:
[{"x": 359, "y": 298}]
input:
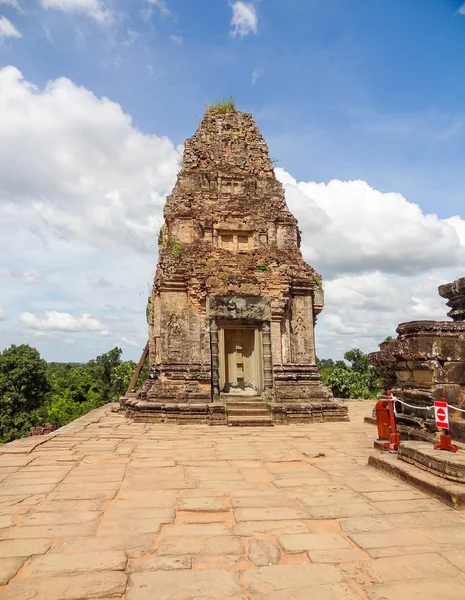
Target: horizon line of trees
[{"x": 34, "y": 392}]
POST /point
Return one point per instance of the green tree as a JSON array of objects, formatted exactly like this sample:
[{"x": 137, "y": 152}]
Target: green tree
[
  {"x": 357, "y": 380},
  {"x": 23, "y": 389}
]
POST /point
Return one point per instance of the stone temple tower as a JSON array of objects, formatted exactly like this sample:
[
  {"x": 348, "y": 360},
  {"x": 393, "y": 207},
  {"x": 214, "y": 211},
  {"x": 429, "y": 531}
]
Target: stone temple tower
[{"x": 233, "y": 308}]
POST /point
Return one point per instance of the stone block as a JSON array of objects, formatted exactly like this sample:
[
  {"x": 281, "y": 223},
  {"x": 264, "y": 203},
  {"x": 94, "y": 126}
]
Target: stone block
[
  {"x": 263, "y": 553},
  {"x": 426, "y": 589},
  {"x": 416, "y": 566},
  {"x": 58, "y": 564},
  {"x": 184, "y": 585},
  {"x": 83, "y": 586},
  {"x": 304, "y": 542},
  {"x": 211, "y": 545},
  {"x": 266, "y": 580}
]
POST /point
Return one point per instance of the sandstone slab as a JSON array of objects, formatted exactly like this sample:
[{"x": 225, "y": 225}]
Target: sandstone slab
[
  {"x": 58, "y": 564},
  {"x": 305, "y": 542},
  {"x": 184, "y": 585},
  {"x": 263, "y": 553},
  {"x": 267, "y": 580},
  {"x": 85, "y": 586},
  {"x": 426, "y": 589},
  {"x": 211, "y": 545}
]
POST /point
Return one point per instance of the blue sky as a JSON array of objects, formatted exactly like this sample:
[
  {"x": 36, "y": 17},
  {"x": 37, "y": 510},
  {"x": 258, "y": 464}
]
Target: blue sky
[{"x": 342, "y": 90}]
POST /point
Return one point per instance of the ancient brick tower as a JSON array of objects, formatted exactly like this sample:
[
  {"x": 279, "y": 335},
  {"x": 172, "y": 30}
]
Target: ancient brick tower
[{"x": 232, "y": 313}]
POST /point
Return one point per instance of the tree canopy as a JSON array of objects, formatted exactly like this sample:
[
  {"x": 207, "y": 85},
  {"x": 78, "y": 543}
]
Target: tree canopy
[
  {"x": 34, "y": 392},
  {"x": 356, "y": 380}
]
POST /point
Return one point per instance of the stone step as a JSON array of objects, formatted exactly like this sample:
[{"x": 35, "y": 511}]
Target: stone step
[
  {"x": 245, "y": 405},
  {"x": 250, "y": 421},
  {"x": 245, "y": 411},
  {"x": 228, "y": 398}
]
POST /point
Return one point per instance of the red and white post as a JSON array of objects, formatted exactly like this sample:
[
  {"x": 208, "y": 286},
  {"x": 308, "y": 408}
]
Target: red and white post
[{"x": 441, "y": 415}]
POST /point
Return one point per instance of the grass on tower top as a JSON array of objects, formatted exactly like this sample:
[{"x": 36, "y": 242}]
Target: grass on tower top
[{"x": 223, "y": 106}]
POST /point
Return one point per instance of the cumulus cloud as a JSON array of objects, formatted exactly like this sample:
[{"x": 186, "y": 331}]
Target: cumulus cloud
[
  {"x": 95, "y": 9},
  {"x": 461, "y": 10},
  {"x": 7, "y": 29},
  {"x": 61, "y": 321},
  {"x": 101, "y": 181},
  {"x": 84, "y": 215},
  {"x": 352, "y": 228},
  {"x": 244, "y": 19},
  {"x": 361, "y": 310}
]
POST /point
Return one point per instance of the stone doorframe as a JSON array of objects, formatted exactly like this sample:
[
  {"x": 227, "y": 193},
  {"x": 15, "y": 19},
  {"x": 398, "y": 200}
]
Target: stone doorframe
[{"x": 262, "y": 352}]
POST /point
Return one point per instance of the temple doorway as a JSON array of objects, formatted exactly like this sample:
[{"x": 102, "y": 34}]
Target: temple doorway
[{"x": 240, "y": 358}]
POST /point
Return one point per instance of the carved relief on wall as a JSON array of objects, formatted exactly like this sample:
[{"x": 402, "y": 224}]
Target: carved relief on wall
[
  {"x": 174, "y": 337},
  {"x": 299, "y": 336}
]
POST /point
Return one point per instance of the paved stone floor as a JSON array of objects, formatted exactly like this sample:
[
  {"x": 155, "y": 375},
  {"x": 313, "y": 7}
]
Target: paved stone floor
[{"x": 111, "y": 509}]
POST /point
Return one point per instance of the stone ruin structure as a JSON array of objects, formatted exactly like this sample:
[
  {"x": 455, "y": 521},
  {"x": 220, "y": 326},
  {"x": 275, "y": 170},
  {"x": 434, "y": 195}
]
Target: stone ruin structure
[
  {"x": 232, "y": 313},
  {"x": 426, "y": 363}
]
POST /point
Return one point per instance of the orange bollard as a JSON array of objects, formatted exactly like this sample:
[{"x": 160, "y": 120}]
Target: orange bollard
[
  {"x": 394, "y": 438},
  {"x": 382, "y": 419}
]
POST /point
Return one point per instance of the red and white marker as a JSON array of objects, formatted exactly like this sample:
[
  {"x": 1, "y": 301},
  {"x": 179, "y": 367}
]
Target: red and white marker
[{"x": 441, "y": 414}]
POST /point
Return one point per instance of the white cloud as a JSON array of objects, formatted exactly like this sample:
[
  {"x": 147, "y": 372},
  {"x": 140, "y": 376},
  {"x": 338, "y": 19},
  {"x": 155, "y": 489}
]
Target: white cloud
[
  {"x": 13, "y": 3},
  {"x": 48, "y": 34},
  {"x": 162, "y": 6},
  {"x": 244, "y": 19},
  {"x": 256, "y": 74},
  {"x": 101, "y": 181},
  {"x": 95, "y": 9},
  {"x": 461, "y": 10},
  {"x": 177, "y": 39},
  {"x": 2, "y": 315},
  {"x": 99, "y": 282},
  {"x": 23, "y": 275},
  {"x": 86, "y": 212},
  {"x": 7, "y": 29},
  {"x": 61, "y": 321},
  {"x": 352, "y": 228},
  {"x": 361, "y": 310}
]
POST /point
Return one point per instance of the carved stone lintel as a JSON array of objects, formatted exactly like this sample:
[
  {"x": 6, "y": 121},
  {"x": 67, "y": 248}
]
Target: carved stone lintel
[{"x": 255, "y": 308}]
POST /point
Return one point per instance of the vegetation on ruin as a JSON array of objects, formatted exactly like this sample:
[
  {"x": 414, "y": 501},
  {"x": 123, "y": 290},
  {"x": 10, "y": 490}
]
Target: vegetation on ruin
[
  {"x": 318, "y": 282},
  {"x": 262, "y": 267},
  {"x": 34, "y": 392},
  {"x": 176, "y": 249},
  {"x": 358, "y": 379},
  {"x": 223, "y": 106}
]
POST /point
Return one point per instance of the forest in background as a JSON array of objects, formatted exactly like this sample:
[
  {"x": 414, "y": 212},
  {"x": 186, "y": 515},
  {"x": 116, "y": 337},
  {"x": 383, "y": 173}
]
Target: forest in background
[{"x": 34, "y": 392}]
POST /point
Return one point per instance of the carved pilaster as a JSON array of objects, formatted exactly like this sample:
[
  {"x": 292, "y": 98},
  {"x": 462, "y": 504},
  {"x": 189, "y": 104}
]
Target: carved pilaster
[
  {"x": 267, "y": 360},
  {"x": 215, "y": 360}
]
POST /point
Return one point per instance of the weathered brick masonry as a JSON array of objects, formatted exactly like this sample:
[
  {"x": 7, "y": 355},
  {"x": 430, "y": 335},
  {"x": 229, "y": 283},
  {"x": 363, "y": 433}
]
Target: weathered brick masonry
[{"x": 232, "y": 313}]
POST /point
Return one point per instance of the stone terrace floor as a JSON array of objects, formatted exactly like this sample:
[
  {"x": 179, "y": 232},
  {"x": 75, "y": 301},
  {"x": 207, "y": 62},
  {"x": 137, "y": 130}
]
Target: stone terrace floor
[{"x": 111, "y": 509}]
